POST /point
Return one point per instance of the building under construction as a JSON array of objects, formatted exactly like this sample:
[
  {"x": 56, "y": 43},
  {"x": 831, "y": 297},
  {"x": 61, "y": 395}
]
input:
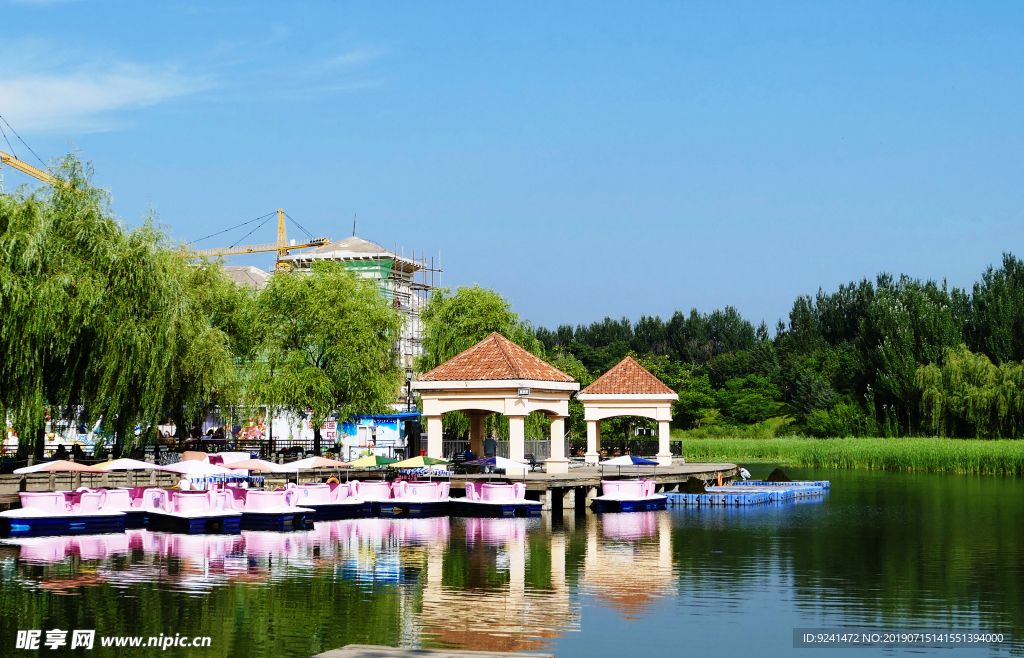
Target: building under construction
[{"x": 405, "y": 282}]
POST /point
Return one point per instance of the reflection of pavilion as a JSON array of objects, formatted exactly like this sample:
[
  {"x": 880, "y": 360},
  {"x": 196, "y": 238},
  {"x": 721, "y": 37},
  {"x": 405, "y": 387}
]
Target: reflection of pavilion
[
  {"x": 628, "y": 563},
  {"x": 509, "y": 617}
]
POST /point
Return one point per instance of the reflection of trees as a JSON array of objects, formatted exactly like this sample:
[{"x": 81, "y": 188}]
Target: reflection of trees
[{"x": 892, "y": 547}]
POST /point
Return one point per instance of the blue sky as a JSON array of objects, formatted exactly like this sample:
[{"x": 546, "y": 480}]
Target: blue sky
[{"x": 584, "y": 159}]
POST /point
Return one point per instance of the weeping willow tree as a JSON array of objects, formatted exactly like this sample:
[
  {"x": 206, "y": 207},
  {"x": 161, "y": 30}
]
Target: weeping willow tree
[
  {"x": 452, "y": 323},
  {"x": 326, "y": 345},
  {"x": 967, "y": 395},
  {"x": 213, "y": 348},
  {"x": 100, "y": 321}
]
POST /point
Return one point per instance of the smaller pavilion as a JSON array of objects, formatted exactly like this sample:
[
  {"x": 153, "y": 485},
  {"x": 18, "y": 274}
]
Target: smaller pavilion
[
  {"x": 496, "y": 376},
  {"x": 628, "y": 389}
]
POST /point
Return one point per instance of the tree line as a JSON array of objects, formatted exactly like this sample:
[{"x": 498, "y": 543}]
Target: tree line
[
  {"x": 888, "y": 357},
  {"x": 102, "y": 322}
]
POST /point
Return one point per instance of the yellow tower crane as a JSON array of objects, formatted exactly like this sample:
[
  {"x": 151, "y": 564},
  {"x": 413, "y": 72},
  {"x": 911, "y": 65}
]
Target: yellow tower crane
[
  {"x": 25, "y": 168},
  {"x": 281, "y": 246}
]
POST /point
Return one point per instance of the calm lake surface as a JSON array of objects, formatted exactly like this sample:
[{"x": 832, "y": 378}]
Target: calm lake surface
[{"x": 931, "y": 553}]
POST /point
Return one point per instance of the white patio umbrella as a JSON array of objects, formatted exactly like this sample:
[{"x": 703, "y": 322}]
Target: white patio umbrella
[
  {"x": 261, "y": 465},
  {"x": 126, "y": 464},
  {"x": 199, "y": 470},
  {"x": 195, "y": 467},
  {"x": 628, "y": 460}
]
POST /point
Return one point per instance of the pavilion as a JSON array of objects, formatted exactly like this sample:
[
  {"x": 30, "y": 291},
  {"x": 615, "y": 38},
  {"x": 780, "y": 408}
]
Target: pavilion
[
  {"x": 498, "y": 376},
  {"x": 628, "y": 389}
]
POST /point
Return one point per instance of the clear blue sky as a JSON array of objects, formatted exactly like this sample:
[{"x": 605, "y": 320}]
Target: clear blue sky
[{"x": 583, "y": 159}]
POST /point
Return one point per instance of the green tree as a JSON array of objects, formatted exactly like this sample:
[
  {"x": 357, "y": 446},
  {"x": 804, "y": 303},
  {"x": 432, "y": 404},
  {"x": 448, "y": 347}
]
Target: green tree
[
  {"x": 452, "y": 323},
  {"x": 88, "y": 307},
  {"x": 749, "y": 399},
  {"x": 327, "y": 345}
]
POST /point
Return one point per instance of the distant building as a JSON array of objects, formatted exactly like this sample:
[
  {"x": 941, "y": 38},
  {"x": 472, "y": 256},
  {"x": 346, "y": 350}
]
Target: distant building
[
  {"x": 404, "y": 282},
  {"x": 247, "y": 276}
]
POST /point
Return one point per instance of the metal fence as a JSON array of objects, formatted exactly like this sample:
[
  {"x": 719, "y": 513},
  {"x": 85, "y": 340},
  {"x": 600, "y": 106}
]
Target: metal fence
[{"x": 539, "y": 448}]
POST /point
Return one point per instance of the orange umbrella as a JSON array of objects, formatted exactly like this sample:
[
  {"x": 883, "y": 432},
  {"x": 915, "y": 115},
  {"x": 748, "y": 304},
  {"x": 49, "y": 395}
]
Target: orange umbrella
[
  {"x": 196, "y": 455},
  {"x": 60, "y": 465}
]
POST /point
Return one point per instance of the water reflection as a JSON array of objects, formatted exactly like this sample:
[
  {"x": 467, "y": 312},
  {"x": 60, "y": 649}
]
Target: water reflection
[
  {"x": 628, "y": 563},
  {"x": 880, "y": 550}
]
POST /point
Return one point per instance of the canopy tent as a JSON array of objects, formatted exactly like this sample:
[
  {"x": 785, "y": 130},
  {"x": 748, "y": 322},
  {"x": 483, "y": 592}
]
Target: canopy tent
[
  {"x": 261, "y": 465},
  {"x": 318, "y": 462},
  {"x": 58, "y": 466}
]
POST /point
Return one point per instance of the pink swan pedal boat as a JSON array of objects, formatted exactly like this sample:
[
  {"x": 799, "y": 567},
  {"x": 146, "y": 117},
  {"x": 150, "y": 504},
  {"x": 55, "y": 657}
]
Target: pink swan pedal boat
[
  {"x": 52, "y": 513},
  {"x": 270, "y": 510},
  {"x": 496, "y": 499},
  {"x": 330, "y": 501},
  {"x": 402, "y": 498},
  {"x": 629, "y": 496},
  {"x": 192, "y": 512}
]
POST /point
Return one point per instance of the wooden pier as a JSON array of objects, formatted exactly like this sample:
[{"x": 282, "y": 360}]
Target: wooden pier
[
  {"x": 579, "y": 486},
  {"x": 571, "y": 490}
]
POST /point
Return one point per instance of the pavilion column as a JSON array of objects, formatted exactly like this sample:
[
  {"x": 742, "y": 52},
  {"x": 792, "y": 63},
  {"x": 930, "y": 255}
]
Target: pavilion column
[
  {"x": 593, "y": 441},
  {"x": 476, "y": 434},
  {"x": 664, "y": 454},
  {"x": 516, "y": 438},
  {"x": 557, "y": 463},
  {"x": 435, "y": 435}
]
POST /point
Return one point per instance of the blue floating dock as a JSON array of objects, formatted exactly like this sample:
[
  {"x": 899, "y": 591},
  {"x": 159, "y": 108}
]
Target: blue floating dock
[
  {"x": 822, "y": 484},
  {"x": 750, "y": 493}
]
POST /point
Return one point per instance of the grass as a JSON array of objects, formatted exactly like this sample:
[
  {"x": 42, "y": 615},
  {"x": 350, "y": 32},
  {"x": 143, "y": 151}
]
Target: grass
[{"x": 934, "y": 455}]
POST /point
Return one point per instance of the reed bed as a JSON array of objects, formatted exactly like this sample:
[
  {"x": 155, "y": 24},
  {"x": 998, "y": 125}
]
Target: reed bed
[{"x": 934, "y": 455}]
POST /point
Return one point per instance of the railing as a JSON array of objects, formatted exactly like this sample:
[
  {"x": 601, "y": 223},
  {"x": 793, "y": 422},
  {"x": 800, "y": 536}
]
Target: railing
[{"x": 539, "y": 448}]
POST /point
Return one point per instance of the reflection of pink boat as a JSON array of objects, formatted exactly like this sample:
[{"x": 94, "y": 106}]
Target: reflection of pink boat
[
  {"x": 51, "y": 513},
  {"x": 55, "y": 549},
  {"x": 495, "y": 532},
  {"x": 495, "y": 499},
  {"x": 628, "y": 496},
  {"x": 416, "y": 499},
  {"x": 421, "y": 531},
  {"x": 269, "y": 510},
  {"x": 329, "y": 501},
  {"x": 190, "y": 511},
  {"x": 629, "y": 526}
]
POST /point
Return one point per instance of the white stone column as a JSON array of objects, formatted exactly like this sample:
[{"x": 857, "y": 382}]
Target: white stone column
[
  {"x": 435, "y": 435},
  {"x": 557, "y": 463},
  {"x": 664, "y": 454},
  {"x": 476, "y": 434},
  {"x": 593, "y": 441},
  {"x": 516, "y": 439}
]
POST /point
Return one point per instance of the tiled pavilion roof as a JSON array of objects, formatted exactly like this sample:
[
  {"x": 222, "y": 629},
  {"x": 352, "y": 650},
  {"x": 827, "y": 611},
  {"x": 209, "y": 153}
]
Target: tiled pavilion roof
[
  {"x": 628, "y": 378},
  {"x": 494, "y": 358}
]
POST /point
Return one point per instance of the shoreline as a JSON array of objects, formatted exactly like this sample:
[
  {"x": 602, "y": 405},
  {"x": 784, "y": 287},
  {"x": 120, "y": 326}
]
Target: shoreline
[{"x": 928, "y": 455}]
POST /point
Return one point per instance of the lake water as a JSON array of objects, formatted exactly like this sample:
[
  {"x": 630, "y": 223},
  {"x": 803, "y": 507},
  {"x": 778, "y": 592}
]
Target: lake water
[{"x": 929, "y": 553}]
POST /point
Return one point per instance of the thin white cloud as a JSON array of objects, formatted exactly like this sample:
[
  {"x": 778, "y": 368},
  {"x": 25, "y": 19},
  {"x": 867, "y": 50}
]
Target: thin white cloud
[
  {"x": 345, "y": 61},
  {"x": 39, "y": 92}
]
